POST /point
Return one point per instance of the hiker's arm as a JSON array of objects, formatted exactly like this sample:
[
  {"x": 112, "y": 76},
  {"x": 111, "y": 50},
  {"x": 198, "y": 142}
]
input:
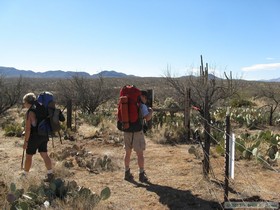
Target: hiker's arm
[
  {"x": 149, "y": 115},
  {"x": 30, "y": 116}
]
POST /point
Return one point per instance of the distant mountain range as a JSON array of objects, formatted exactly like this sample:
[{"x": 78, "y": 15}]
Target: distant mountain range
[
  {"x": 273, "y": 80},
  {"x": 13, "y": 72}
]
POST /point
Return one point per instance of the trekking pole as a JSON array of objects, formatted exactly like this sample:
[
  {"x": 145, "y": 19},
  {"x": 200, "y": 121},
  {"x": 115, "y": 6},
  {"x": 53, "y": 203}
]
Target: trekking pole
[
  {"x": 22, "y": 159},
  {"x": 52, "y": 142},
  {"x": 64, "y": 108},
  {"x": 60, "y": 137}
]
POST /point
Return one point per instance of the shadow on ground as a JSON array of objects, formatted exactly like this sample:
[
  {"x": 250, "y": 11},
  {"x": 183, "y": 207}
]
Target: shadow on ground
[{"x": 176, "y": 199}]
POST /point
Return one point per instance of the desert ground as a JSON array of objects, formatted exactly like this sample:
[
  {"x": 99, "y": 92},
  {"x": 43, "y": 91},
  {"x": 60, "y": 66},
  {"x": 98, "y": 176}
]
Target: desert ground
[{"x": 175, "y": 176}]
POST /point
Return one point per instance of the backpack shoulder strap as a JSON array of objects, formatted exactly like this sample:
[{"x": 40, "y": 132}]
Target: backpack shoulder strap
[{"x": 32, "y": 109}]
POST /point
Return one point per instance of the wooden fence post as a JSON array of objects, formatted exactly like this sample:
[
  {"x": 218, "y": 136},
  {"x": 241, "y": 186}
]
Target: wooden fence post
[
  {"x": 69, "y": 114},
  {"x": 187, "y": 114},
  {"x": 206, "y": 160}
]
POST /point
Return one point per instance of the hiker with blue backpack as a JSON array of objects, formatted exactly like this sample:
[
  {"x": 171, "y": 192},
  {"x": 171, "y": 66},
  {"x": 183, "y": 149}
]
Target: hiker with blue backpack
[
  {"x": 132, "y": 125},
  {"x": 33, "y": 141}
]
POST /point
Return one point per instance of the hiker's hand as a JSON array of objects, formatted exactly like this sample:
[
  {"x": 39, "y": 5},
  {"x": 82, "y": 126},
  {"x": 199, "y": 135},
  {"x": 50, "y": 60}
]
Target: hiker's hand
[
  {"x": 25, "y": 145},
  {"x": 150, "y": 109}
]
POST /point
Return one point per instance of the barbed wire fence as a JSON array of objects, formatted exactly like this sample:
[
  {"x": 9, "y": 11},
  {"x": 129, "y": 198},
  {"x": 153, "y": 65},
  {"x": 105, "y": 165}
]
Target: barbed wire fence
[{"x": 245, "y": 189}]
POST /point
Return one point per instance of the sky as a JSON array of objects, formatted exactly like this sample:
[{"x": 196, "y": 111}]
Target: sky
[{"x": 145, "y": 38}]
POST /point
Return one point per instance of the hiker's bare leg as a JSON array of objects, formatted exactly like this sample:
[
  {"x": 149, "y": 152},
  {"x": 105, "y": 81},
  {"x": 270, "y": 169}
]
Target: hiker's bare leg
[
  {"x": 140, "y": 158},
  {"x": 28, "y": 162},
  {"x": 47, "y": 160},
  {"x": 127, "y": 158}
]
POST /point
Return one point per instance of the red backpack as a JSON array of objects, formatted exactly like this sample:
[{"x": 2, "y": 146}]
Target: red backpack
[{"x": 129, "y": 119}]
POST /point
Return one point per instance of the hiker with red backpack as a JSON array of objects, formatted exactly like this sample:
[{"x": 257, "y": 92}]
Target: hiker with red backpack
[
  {"x": 32, "y": 140},
  {"x": 132, "y": 112}
]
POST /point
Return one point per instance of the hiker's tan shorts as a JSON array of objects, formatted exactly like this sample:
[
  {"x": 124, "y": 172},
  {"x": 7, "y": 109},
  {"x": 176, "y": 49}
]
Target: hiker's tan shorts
[{"x": 135, "y": 141}]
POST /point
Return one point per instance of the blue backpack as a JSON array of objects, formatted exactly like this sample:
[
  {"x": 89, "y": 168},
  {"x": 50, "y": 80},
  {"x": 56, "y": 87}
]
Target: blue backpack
[{"x": 48, "y": 116}]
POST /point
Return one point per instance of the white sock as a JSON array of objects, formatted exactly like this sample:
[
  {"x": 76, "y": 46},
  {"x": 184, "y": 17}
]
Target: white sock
[{"x": 25, "y": 173}]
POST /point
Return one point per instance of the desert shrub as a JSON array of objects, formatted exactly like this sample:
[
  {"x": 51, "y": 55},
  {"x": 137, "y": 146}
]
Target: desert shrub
[
  {"x": 217, "y": 136},
  {"x": 13, "y": 129},
  {"x": 92, "y": 119},
  {"x": 11, "y": 91},
  {"x": 159, "y": 118},
  {"x": 176, "y": 120},
  {"x": 220, "y": 148},
  {"x": 88, "y": 93},
  {"x": 237, "y": 103},
  {"x": 181, "y": 134},
  {"x": 169, "y": 134},
  {"x": 172, "y": 105}
]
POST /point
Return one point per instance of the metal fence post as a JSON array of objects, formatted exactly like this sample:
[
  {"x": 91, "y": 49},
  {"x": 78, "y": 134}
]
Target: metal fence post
[{"x": 227, "y": 156}]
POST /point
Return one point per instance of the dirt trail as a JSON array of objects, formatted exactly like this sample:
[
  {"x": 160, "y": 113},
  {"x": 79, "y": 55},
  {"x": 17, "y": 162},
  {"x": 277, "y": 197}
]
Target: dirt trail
[{"x": 176, "y": 180}]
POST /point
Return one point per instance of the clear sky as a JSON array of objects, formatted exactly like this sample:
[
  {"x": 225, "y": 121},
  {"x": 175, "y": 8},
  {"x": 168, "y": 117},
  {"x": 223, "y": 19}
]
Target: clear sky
[{"x": 142, "y": 37}]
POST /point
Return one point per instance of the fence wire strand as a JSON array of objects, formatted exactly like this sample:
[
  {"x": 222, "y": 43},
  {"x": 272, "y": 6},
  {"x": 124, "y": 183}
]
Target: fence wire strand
[{"x": 239, "y": 169}]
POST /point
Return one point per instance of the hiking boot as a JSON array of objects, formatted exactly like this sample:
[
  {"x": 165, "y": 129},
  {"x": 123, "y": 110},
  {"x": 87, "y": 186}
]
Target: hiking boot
[
  {"x": 143, "y": 177},
  {"x": 128, "y": 176},
  {"x": 23, "y": 176},
  {"x": 49, "y": 177}
]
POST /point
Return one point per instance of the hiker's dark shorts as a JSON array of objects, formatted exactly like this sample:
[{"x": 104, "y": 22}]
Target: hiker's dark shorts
[{"x": 37, "y": 142}]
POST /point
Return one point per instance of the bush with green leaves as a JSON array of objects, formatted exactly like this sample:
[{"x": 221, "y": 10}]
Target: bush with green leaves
[
  {"x": 13, "y": 129},
  {"x": 237, "y": 103}
]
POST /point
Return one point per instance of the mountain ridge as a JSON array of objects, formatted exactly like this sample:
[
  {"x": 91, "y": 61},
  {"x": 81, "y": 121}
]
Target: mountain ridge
[{"x": 13, "y": 72}]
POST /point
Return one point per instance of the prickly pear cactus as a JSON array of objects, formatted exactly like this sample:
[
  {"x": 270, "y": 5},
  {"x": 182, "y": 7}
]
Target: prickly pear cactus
[
  {"x": 45, "y": 194},
  {"x": 105, "y": 193}
]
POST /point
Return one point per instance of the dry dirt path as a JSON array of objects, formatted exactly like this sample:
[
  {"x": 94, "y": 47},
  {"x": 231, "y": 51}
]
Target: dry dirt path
[
  {"x": 176, "y": 180},
  {"x": 168, "y": 170}
]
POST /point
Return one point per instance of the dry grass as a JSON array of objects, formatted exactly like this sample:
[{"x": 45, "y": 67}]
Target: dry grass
[{"x": 176, "y": 175}]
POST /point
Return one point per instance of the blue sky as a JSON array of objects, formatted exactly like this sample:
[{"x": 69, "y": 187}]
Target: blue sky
[{"x": 142, "y": 37}]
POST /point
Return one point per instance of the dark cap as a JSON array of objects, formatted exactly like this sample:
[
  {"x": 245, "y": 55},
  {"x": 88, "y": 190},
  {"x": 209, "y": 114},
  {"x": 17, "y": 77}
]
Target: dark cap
[{"x": 144, "y": 93}]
